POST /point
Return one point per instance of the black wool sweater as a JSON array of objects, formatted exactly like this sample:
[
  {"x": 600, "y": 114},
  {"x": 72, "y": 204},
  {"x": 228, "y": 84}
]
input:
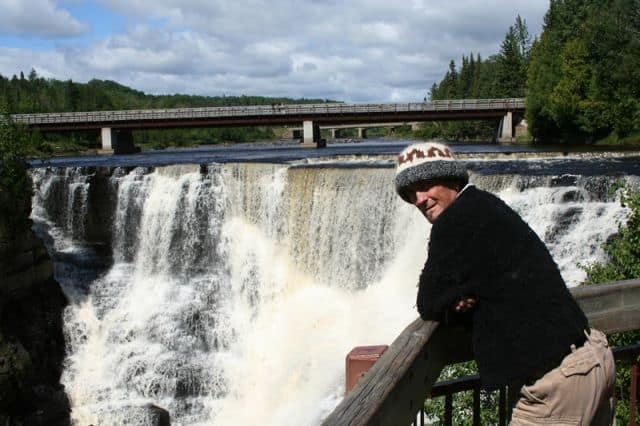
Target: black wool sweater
[{"x": 525, "y": 319}]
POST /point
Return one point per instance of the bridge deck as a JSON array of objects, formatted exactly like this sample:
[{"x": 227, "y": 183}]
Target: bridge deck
[{"x": 327, "y": 113}]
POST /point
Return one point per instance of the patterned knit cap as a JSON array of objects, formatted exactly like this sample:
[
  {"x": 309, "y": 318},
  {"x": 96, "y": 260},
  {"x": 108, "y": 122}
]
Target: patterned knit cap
[{"x": 425, "y": 161}]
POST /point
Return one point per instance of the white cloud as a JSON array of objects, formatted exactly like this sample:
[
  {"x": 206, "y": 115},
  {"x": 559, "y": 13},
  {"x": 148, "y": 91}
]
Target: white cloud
[
  {"x": 361, "y": 50},
  {"x": 37, "y": 18},
  {"x": 380, "y": 33}
]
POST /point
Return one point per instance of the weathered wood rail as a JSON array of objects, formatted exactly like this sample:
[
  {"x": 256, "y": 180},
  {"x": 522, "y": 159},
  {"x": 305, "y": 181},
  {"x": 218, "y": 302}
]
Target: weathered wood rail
[{"x": 395, "y": 388}]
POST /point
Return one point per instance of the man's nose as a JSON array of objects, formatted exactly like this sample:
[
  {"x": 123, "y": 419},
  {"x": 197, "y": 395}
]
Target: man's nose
[{"x": 421, "y": 198}]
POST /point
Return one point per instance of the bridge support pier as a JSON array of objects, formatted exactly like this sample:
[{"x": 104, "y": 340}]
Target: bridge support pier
[
  {"x": 117, "y": 141},
  {"x": 505, "y": 131},
  {"x": 106, "y": 137},
  {"x": 362, "y": 132},
  {"x": 311, "y": 135}
]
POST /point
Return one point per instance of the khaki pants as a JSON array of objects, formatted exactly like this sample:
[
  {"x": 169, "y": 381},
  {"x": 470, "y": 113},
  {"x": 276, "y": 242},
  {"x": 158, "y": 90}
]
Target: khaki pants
[{"x": 580, "y": 391}]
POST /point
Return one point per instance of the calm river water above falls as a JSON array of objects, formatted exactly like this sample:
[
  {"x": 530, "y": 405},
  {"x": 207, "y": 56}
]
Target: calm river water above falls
[{"x": 226, "y": 285}]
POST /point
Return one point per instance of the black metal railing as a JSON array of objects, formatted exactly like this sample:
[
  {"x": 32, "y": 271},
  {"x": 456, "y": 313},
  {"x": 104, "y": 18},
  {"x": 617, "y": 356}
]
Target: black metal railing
[{"x": 625, "y": 355}]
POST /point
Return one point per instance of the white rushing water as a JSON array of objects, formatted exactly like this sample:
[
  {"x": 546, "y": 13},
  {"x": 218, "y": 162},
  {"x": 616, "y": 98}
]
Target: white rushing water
[{"x": 236, "y": 291}]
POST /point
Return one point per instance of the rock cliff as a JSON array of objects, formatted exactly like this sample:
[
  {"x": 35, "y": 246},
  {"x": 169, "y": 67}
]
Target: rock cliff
[{"x": 31, "y": 337}]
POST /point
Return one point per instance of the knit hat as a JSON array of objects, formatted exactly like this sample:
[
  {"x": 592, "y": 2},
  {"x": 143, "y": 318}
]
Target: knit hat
[{"x": 425, "y": 161}]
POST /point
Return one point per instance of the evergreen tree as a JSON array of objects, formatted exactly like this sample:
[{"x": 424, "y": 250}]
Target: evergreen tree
[
  {"x": 512, "y": 61},
  {"x": 449, "y": 87},
  {"x": 523, "y": 37}
]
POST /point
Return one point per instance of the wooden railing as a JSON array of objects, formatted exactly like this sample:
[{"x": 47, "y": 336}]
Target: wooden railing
[{"x": 394, "y": 390}]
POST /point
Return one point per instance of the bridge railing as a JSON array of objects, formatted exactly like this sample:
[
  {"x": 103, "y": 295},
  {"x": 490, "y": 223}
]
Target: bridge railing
[
  {"x": 395, "y": 388},
  {"x": 267, "y": 110}
]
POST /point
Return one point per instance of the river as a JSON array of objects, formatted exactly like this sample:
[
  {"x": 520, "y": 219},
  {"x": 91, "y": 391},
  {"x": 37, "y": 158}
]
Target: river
[{"x": 227, "y": 284}]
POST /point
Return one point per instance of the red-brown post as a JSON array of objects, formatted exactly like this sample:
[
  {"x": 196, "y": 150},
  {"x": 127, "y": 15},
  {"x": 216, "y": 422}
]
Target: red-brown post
[{"x": 359, "y": 361}]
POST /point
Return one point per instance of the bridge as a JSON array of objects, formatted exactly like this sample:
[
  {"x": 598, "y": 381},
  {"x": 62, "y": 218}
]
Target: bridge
[{"x": 116, "y": 126}]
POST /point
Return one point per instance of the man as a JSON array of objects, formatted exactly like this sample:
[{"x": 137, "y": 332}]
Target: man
[{"x": 487, "y": 268}]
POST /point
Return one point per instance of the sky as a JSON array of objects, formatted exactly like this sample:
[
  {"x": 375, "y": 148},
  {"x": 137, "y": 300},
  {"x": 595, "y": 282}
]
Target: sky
[{"x": 352, "y": 51}]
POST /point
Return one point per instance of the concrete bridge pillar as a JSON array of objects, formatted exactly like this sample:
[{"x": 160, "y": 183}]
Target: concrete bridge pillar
[
  {"x": 334, "y": 133},
  {"x": 362, "y": 132},
  {"x": 505, "y": 133},
  {"x": 107, "y": 136},
  {"x": 117, "y": 141},
  {"x": 311, "y": 135}
]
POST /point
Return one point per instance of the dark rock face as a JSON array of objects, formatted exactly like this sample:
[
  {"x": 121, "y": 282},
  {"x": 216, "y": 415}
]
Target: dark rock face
[
  {"x": 31, "y": 337},
  {"x": 102, "y": 200}
]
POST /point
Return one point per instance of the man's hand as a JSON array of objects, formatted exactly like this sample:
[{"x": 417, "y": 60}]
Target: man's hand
[{"x": 464, "y": 305}]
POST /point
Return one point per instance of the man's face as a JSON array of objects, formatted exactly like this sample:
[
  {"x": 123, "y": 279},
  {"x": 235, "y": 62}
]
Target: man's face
[{"x": 432, "y": 197}]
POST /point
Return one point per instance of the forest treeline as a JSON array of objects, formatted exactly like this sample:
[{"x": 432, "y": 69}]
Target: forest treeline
[
  {"x": 35, "y": 94},
  {"x": 581, "y": 77}
]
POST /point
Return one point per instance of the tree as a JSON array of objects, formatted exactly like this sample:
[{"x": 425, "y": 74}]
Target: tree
[
  {"x": 513, "y": 60},
  {"x": 523, "y": 36},
  {"x": 569, "y": 94},
  {"x": 449, "y": 86}
]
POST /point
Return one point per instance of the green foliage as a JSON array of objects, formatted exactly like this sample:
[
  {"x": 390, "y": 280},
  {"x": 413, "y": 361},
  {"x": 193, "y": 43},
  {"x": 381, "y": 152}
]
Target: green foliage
[
  {"x": 623, "y": 262},
  {"x": 512, "y": 61},
  {"x": 15, "y": 186},
  {"x": 462, "y": 401},
  {"x": 584, "y": 75},
  {"x": 623, "y": 251},
  {"x": 13, "y": 151}
]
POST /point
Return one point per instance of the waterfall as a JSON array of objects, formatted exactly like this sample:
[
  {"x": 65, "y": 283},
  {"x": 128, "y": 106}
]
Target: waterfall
[
  {"x": 234, "y": 291},
  {"x": 63, "y": 196}
]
